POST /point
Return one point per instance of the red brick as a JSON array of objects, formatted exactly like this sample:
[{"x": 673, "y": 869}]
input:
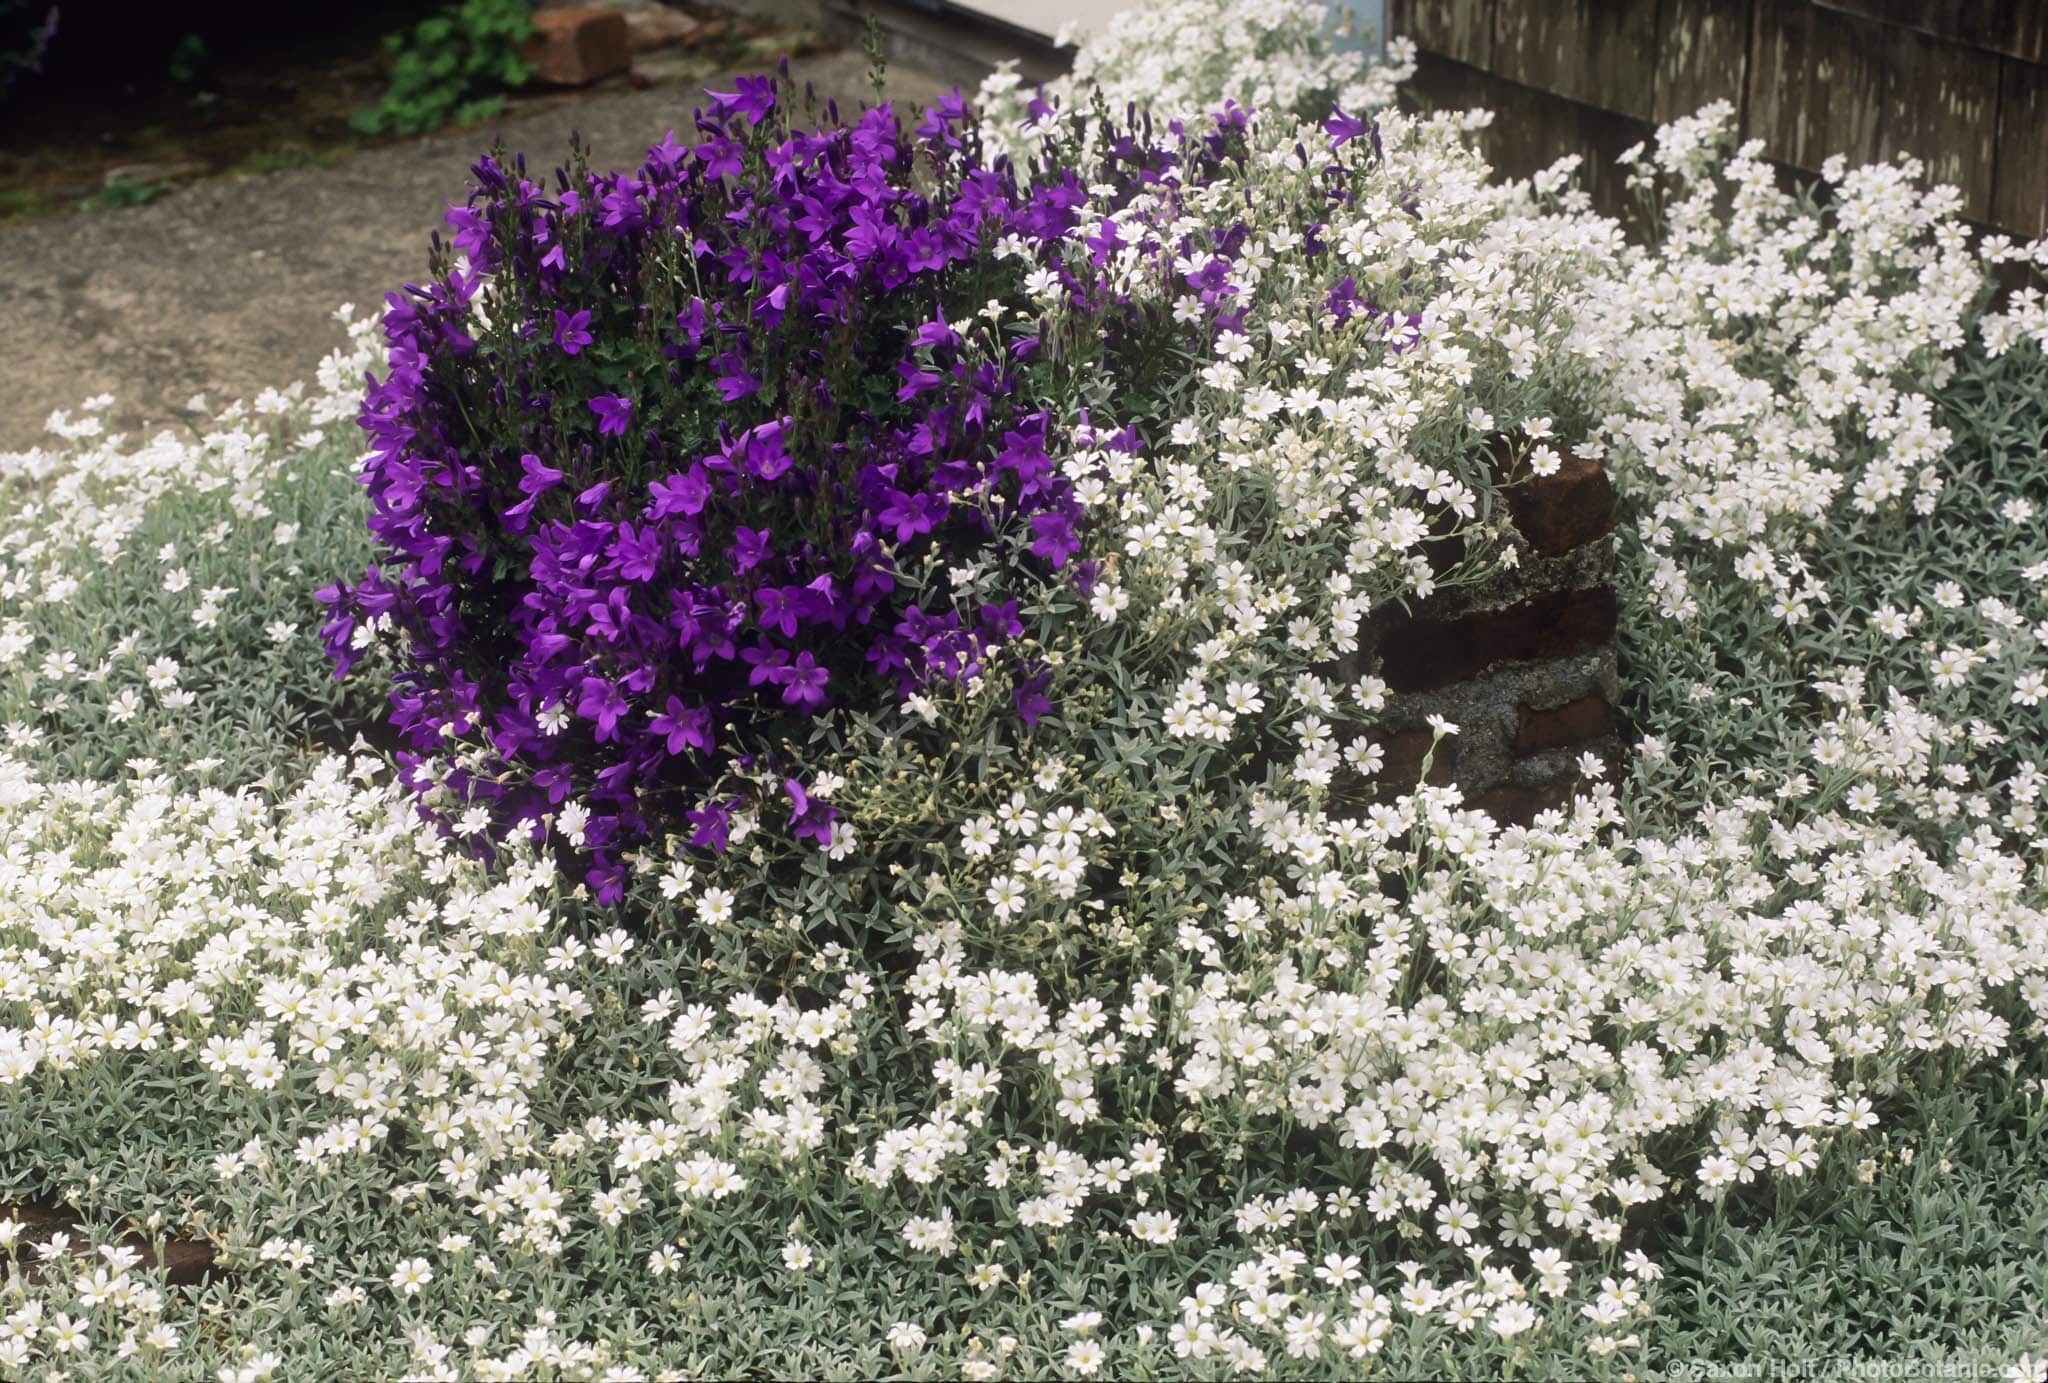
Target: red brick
[
  {"x": 1427, "y": 654},
  {"x": 1576, "y": 722},
  {"x": 577, "y": 46},
  {"x": 1402, "y": 767},
  {"x": 186, "y": 1262},
  {"x": 1518, "y": 806},
  {"x": 1557, "y": 512}
]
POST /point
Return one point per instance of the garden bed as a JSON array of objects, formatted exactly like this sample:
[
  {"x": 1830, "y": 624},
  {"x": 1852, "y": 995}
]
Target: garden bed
[{"x": 909, "y": 847}]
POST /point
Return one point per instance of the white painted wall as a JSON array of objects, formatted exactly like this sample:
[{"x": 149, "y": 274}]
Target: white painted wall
[{"x": 1048, "y": 16}]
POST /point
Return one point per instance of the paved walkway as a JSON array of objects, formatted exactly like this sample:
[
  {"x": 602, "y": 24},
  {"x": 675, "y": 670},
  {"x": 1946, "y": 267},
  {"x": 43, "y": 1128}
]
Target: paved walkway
[{"x": 227, "y": 287}]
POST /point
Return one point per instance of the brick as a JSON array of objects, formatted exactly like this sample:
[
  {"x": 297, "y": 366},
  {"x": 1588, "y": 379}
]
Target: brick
[
  {"x": 186, "y": 1262},
  {"x": 1441, "y": 549},
  {"x": 577, "y": 46},
  {"x": 1402, "y": 767},
  {"x": 1555, "y": 513},
  {"x": 1518, "y": 806},
  {"x": 1427, "y": 654},
  {"x": 1576, "y": 722}
]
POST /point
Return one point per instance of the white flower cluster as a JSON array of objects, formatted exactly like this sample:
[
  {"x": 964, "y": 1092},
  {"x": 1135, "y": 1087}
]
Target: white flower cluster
[
  {"x": 1359, "y": 356},
  {"x": 1781, "y": 364},
  {"x": 1183, "y": 60}
]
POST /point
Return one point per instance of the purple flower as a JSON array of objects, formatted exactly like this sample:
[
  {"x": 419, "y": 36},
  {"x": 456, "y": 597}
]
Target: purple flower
[
  {"x": 761, "y": 451},
  {"x": 1343, "y": 128},
  {"x": 749, "y": 548},
  {"x": 939, "y": 118},
  {"x": 733, "y": 382},
  {"x": 572, "y": 331},
  {"x": 803, "y": 682},
  {"x": 722, "y": 158},
  {"x": 598, "y": 700},
  {"x": 1343, "y": 300},
  {"x": 809, "y": 818},
  {"x": 1001, "y": 620},
  {"x": 1030, "y": 698},
  {"x": 766, "y": 664},
  {"x": 754, "y": 99},
  {"x": 637, "y": 553},
  {"x": 685, "y": 494},
  {"x": 713, "y": 823},
  {"x": 536, "y": 478},
  {"x": 909, "y": 516},
  {"x": 779, "y": 608},
  {"x": 683, "y": 727},
  {"x": 1053, "y": 538},
  {"x": 614, "y": 414},
  {"x": 660, "y": 597},
  {"x": 936, "y": 332}
]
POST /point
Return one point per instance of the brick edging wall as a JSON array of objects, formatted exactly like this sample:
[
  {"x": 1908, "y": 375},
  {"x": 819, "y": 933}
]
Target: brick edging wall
[{"x": 1523, "y": 664}]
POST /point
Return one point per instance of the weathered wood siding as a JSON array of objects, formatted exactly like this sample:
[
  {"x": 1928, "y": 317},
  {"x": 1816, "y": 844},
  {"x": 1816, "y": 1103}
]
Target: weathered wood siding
[{"x": 1960, "y": 84}]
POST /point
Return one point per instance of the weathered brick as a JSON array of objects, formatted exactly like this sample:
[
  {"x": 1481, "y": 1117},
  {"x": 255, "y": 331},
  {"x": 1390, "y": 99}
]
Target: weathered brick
[
  {"x": 578, "y": 45},
  {"x": 1427, "y": 654},
  {"x": 1518, "y": 806},
  {"x": 1567, "y": 509},
  {"x": 1576, "y": 722}
]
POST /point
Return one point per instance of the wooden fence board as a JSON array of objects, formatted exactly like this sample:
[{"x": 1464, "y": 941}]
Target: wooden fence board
[
  {"x": 2016, "y": 28},
  {"x": 1702, "y": 52},
  {"x": 1941, "y": 105},
  {"x": 1533, "y": 129},
  {"x": 1960, "y": 84},
  {"x": 1596, "y": 52},
  {"x": 1461, "y": 30},
  {"x": 2019, "y": 195},
  {"x": 1815, "y": 89}
]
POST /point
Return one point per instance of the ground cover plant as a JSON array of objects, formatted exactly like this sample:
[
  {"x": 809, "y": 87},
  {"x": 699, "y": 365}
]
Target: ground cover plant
[
  {"x": 1067, "y": 1006},
  {"x": 453, "y": 67}
]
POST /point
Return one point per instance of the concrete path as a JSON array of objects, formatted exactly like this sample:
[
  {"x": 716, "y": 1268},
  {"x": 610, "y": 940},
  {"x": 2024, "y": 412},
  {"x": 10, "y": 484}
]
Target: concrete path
[{"x": 227, "y": 287}]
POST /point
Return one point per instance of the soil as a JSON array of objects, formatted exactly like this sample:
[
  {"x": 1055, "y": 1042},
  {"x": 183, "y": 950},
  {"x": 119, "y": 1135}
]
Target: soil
[
  {"x": 225, "y": 285},
  {"x": 149, "y": 116}
]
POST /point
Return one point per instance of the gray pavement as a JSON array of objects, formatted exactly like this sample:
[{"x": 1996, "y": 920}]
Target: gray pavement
[{"x": 227, "y": 287}]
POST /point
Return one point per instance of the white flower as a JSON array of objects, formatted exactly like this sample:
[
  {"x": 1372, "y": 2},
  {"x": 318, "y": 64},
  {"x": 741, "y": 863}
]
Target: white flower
[{"x": 1085, "y": 1357}]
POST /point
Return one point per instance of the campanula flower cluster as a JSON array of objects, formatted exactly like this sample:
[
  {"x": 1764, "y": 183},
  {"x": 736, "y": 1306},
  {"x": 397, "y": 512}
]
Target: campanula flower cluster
[{"x": 667, "y": 462}]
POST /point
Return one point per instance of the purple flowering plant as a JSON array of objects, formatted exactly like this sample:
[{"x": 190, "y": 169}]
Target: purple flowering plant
[{"x": 668, "y": 463}]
